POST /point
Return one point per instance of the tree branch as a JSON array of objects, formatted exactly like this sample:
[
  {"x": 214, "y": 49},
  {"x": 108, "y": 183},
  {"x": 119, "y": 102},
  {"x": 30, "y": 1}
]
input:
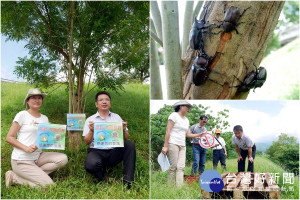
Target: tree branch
[
  {"x": 108, "y": 73},
  {"x": 155, "y": 37}
]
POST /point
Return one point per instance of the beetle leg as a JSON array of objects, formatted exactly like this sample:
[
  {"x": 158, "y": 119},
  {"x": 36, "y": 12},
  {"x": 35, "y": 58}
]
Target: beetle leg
[
  {"x": 205, "y": 27},
  {"x": 224, "y": 8},
  {"x": 244, "y": 11},
  {"x": 215, "y": 81},
  {"x": 237, "y": 79},
  {"x": 208, "y": 32},
  {"x": 256, "y": 68},
  {"x": 236, "y": 30}
]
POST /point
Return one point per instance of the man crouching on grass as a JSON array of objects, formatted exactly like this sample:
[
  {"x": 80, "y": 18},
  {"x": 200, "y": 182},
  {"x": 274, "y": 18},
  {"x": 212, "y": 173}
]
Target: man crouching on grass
[
  {"x": 244, "y": 146},
  {"x": 99, "y": 159}
]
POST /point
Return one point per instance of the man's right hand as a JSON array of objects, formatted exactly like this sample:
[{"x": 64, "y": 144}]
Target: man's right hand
[
  {"x": 239, "y": 158},
  {"x": 164, "y": 150},
  {"x": 91, "y": 126}
]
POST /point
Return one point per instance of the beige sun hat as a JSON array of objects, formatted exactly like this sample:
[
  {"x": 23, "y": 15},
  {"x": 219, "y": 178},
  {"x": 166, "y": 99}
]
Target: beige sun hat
[
  {"x": 32, "y": 92},
  {"x": 182, "y": 103}
]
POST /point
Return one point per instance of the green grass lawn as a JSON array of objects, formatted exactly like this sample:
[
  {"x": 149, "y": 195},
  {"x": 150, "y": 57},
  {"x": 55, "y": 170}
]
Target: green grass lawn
[
  {"x": 72, "y": 181},
  {"x": 160, "y": 189}
]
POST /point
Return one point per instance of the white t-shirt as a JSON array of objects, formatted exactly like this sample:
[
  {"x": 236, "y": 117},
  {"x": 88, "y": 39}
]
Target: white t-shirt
[
  {"x": 178, "y": 132},
  {"x": 221, "y": 140},
  {"x": 27, "y": 134}
]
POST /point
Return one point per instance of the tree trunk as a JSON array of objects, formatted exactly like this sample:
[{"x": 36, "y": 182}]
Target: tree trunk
[
  {"x": 238, "y": 50},
  {"x": 156, "y": 90},
  {"x": 74, "y": 136},
  {"x": 187, "y": 24},
  {"x": 172, "y": 52}
]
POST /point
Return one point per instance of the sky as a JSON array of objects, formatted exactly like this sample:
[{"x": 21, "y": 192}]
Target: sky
[
  {"x": 262, "y": 121},
  {"x": 10, "y": 51}
]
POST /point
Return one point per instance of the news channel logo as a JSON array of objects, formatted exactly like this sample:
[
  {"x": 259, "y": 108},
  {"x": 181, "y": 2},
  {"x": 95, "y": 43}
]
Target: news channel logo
[{"x": 211, "y": 181}]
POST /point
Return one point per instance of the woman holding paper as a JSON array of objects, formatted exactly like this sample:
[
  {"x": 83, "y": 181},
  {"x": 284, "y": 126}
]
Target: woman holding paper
[
  {"x": 174, "y": 146},
  {"x": 29, "y": 164}
]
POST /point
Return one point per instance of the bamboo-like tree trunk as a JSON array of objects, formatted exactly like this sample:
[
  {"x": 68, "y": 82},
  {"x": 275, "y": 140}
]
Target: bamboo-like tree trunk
[
  {"x": 238, "y": 50},
  {"x": 172, "y": 52}
]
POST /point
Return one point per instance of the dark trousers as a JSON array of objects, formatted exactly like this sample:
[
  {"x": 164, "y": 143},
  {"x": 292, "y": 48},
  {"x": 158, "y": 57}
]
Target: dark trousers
[
  {"x": 98, "y": 160},
  {"x": 244, "y": 154},
  {"x": 199, "y": 155},
  {"x": 219, "y": 155}
]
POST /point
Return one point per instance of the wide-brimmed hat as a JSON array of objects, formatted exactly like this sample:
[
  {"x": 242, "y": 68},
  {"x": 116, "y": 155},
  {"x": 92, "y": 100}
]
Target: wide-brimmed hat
[
  {"x": 182, "y": 103},
  {"x": 32, "y": 92}
]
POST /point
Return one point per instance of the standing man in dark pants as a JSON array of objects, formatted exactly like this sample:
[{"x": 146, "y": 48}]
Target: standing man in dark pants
[
  {"x": 199, "y": 153},
  {"x": 99, "y": 159},
  {"x": 219, "y": 150},
  {"x": 244, "y": 146}
]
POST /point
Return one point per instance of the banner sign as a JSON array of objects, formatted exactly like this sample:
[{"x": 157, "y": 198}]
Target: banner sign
[
  {"x": 108, "y": 134},
  {"x": 51, "y": 136}
]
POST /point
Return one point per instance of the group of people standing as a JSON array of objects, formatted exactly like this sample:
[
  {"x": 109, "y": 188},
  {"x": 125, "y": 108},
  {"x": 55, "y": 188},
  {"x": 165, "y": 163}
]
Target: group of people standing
[{"x": 178, "y": 129}]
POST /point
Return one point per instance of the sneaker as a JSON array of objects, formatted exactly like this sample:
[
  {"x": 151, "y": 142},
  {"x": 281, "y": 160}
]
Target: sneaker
[{"x": 8, "y": 178}]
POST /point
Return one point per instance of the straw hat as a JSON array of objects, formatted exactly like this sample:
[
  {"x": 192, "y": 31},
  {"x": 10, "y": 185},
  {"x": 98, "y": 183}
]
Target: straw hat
[
  {"x": 182, "y": 103},
  {"x": 32, "y": 92}
]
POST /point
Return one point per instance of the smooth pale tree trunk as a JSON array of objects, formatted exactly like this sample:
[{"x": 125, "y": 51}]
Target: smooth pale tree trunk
[
  {"x": 187, "y": 24},
  {"x": 155, "y": 83},
  {"x": 74, "y": 136},
  {"x": 156, "y": 16},
  {"x": 156, "y": 90},
  {"x": 238, "y": 50},
  {"x": 172, "y": 52}
]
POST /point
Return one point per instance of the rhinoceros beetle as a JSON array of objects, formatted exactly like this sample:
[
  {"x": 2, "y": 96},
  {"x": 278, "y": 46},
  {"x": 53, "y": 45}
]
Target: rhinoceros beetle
[
  {"x": 197, "y": 32},
  {"x": 200, "y": 68},
  {"x": 254, "y": 79},
  {"x": 231, "y": 18}
]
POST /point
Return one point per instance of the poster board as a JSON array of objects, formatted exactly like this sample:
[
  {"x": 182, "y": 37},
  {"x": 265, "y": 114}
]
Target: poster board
[
  {"x": 108, "y": 134},
  {"x": 75, "y": 122},
  {"x": 51, "y": 136}
]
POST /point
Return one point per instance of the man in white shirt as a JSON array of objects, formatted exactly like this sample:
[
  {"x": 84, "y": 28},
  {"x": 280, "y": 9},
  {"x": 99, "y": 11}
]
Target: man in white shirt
[
  {"x": 100, "y": 158},
  {"x": 244, "y": 146},
  {"x": 219, "y": 150}
]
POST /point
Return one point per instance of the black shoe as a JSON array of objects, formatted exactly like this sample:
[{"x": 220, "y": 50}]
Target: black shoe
[{"x": 127, "y": 185}]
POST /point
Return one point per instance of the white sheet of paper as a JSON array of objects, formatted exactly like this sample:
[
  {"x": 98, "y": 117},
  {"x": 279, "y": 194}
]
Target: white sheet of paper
[{"x": 163, "y": 162}]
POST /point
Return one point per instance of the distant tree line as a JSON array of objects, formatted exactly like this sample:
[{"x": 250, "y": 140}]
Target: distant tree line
[{"x": 285, "y": 152}]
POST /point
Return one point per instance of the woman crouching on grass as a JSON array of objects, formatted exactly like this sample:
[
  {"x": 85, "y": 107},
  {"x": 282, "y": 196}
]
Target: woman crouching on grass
[
  {"x": 176, "y": 133},
  {"x": 29, "y": 164}
]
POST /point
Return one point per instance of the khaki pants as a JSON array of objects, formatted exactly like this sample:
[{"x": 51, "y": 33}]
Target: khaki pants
[
  {"x": 35, "y": 172},
  {"x": 176, "y": 156}
]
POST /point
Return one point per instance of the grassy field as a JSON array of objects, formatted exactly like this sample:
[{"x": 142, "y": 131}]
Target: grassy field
[
  {"x": 160, "y": 189},
  {"x": 72, "y": 181}
]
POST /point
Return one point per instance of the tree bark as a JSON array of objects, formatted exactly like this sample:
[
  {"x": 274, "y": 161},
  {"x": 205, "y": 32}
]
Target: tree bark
[
  {"x": 238, "y": 50},
  {"x": 172, "y": 52}
]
